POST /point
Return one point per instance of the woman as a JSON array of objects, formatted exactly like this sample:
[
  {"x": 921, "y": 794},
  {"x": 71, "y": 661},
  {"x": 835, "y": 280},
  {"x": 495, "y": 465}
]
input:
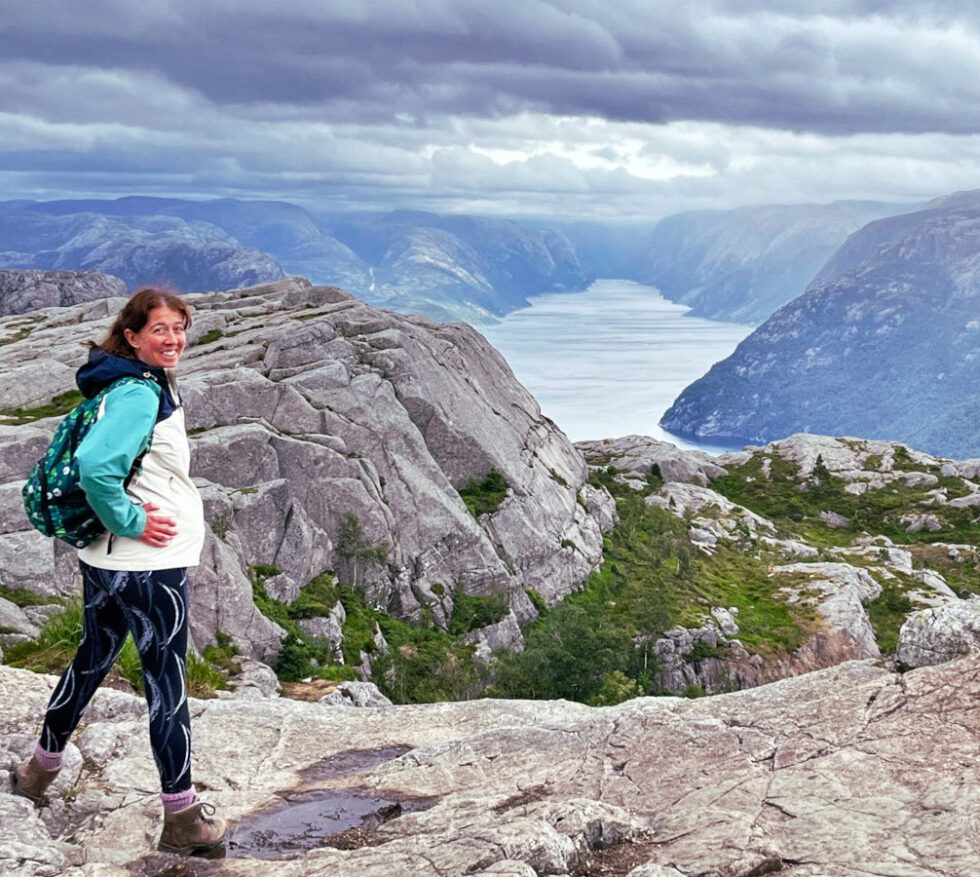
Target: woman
[{"x": 134, "y": 577}]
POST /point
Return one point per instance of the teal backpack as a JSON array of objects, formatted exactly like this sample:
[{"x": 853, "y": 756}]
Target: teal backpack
[{"x": 53, "y": 500}]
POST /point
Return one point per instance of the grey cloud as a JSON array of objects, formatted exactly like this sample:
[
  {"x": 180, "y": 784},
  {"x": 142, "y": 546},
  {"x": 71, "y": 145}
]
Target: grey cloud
[{"x": 760, "y": 63}]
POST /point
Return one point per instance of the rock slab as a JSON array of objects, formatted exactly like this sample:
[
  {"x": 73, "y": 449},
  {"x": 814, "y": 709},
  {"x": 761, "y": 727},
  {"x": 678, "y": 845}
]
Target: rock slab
[{"x": 848, "y": 771}]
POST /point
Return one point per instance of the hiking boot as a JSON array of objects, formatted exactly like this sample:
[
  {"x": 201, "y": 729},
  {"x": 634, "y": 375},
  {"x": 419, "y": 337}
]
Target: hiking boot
[
  {"x": 29, "y": 780},
  {"x": 191, "y": 831}
]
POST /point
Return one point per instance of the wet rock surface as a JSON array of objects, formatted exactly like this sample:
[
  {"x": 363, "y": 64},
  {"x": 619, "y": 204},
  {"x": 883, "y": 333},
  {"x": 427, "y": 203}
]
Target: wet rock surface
[{"x": 848, "y": 771}]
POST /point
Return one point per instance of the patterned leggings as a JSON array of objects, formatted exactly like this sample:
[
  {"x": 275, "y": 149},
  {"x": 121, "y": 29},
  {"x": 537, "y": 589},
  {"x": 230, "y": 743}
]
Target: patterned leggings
[{"x": 153, "y": 607}]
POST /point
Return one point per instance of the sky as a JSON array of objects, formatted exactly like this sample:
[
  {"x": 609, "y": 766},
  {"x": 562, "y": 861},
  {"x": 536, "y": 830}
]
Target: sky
[{"x": 602, "y": 109}]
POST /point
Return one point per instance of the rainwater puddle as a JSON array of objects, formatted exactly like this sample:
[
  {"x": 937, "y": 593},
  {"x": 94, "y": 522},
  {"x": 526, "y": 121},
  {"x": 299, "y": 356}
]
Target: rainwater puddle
[{"x": 306, "y": 820}]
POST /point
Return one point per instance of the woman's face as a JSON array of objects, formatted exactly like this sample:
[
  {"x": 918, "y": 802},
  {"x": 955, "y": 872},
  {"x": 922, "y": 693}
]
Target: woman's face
[{"x": 161, "y": 341}]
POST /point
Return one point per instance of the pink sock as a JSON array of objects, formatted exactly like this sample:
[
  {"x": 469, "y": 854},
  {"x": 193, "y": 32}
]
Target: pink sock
[
  {"x": 48, "y": 760},
  {"x": 174, "y": 801}
]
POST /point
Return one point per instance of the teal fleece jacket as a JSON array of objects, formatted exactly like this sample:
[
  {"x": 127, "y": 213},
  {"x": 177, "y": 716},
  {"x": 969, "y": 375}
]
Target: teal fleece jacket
[{"x": 108, "y": 450}]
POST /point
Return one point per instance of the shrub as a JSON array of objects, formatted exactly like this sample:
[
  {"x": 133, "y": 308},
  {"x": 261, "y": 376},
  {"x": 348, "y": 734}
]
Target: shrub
[
  {"x": 484, "y": 497},
  {"x": 471, "y": 611}
]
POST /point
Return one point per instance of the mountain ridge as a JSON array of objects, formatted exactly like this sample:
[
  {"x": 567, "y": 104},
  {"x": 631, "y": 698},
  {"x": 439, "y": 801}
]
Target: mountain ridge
[{"x": 882, "y": 344}]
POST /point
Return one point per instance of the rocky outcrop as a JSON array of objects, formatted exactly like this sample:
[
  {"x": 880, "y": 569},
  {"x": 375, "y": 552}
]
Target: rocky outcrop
[
  {"x": 882, "y": 345},
  {"x": 307, "y": 408},
  {"x": 830, "y": 588},
  {"x": 744, "y": 264},
  {"x": 839, "y": 773},
  {"x": 635, "y": 456},
  {"x": 24, "y": 291}
]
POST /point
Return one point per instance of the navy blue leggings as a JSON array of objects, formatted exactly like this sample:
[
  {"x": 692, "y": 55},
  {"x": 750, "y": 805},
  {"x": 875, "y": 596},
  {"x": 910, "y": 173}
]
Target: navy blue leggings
[{"x": 153, "y": 607}]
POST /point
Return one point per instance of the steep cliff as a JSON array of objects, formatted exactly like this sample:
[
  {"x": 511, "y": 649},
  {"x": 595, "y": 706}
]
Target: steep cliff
[
  {"x": 328, "y": 435},
  {"x": 883, "y": 345}
]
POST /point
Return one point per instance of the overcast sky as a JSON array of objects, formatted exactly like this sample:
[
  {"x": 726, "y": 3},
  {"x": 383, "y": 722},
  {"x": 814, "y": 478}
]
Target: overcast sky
[{"x": 571, "y": 108}]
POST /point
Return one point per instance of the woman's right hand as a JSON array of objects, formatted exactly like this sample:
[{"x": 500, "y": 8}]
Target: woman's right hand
[{"x": 159, "y": 530}]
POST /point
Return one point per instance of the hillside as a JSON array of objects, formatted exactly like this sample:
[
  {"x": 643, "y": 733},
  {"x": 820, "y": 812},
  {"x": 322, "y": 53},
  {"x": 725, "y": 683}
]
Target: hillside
[
  {"x": 321, "y": 426},
  {"x": 742, "y": 265},
  {"x": 882, "y": 345},
  {"x": 191, "y": 256}
]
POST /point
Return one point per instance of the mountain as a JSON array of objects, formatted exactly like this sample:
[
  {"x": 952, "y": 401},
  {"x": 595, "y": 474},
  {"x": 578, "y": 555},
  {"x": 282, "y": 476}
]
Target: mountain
[
  {"x": 386, "y": 502},
  {"x": 742, "y": 265},
  {"x": 459, "y": 266},
  {"x": 448, "y": 268},
  {"x": 191, "y": 256},
  {"x": 883, "y": 344}
]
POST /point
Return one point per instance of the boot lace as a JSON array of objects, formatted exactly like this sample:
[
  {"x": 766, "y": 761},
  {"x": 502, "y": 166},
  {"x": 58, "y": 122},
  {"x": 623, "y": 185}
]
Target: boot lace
[{"x": 207, "y": 811}]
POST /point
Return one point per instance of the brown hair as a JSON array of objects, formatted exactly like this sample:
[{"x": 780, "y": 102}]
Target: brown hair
[{"x": 134, "y": 316}]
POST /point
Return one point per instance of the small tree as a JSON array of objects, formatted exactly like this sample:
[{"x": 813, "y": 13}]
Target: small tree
[
  {"x": 820, "y": 477},
  {"x": 354, "y": 546}
]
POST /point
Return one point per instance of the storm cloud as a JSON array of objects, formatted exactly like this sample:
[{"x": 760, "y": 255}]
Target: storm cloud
[{"x": 574, "y": 107}]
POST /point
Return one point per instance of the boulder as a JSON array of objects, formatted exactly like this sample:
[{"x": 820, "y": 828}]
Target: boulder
[
  {"x": 940, "y": 634},
  {"x": 634, "y": 455}
]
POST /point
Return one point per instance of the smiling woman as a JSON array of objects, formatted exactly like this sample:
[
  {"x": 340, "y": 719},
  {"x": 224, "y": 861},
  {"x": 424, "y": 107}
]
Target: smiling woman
[{"x": 133, "y": 465}]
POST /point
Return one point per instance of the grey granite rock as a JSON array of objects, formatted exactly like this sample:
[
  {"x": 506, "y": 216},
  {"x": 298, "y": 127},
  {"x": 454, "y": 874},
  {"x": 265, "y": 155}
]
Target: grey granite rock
[
  {"x": 940, "y": 634},
  {"x": 360, "y": 694},
  {"x": 842, "y": 772},
  {"x": 635, "y": 455}
]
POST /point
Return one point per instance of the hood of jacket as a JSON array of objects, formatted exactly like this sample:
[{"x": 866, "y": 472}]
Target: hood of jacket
[{"x": 103, "y": 369}]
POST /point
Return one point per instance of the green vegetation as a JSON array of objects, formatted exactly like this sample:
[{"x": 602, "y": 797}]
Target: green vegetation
[
  {"x": 22, "y": 597},
  {"x": 53, "y": 651},
  {"x": 219, "y": 526},
  {"x": 877, "y": 511},
  {"x": 357, "y": 551},
  {"x": 471, "y": 612},
  {"x": 210, "y": 336},
  {"x": 595, "y": 645},
  {"x": 484, "y": 497},
  {"x": 21, "y": 329},
  {"x": 887, "y": 615},
  {"x": 57, "y": 407},
  {"x": 422, "y": 663}
]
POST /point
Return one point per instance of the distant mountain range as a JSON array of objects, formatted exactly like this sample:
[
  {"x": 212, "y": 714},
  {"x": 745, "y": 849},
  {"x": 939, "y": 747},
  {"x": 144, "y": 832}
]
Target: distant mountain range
[
  {"x": 742, "y": 265},
  {"x": 885, "y": 343},
  {"x": 444, "y": 267}
]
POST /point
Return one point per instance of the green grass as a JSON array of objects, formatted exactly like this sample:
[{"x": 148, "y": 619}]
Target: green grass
[
  {"x": 53, "y": 651},
  {"x": 58, "y": 406},
  {"x": 887, "y": 614},
  {"x": 23, "y": 597},
  {"x": 879, "y": 511}
]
